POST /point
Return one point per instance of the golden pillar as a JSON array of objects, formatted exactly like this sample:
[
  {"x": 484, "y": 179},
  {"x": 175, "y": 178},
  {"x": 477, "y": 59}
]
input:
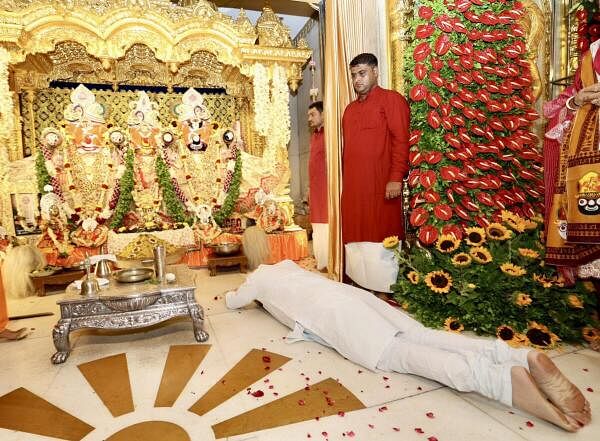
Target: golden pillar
[{"x": 399, "y": 14}]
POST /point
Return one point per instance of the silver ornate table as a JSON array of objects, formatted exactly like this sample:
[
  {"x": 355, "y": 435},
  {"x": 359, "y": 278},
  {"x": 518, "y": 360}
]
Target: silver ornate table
[{"x": 127, "y": 306}]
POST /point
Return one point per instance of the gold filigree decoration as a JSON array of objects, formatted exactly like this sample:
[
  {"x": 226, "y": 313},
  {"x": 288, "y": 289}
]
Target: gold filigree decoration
[
  {"x": 271, "y": 30},
  {"x": 71, "y": 62},
  {"x": 140, "y": 67}
]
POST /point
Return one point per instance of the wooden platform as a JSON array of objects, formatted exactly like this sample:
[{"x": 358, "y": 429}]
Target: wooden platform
[
  {"x": 214, "y": 262},
  {"x": 63, "y": 277}
]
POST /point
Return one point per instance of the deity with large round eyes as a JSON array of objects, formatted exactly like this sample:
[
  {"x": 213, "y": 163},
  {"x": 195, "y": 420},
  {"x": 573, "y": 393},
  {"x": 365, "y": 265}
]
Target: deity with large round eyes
[{"x": 52, "y": 138}]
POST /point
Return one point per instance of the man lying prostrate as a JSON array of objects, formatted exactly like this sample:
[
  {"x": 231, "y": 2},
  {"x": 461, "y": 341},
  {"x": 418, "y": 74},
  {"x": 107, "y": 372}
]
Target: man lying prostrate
[{"x": 373, "y": 334}]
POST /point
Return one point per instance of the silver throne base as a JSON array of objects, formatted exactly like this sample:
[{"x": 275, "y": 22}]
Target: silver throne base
[{"x": 127, "y": 306}]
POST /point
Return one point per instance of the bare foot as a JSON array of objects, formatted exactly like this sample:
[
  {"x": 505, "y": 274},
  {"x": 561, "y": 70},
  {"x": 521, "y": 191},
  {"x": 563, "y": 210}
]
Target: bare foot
[
  {"x": 14, "y": 335},
  {"x": 558, "y": 388},
  {"x": 527, "y": 397}
]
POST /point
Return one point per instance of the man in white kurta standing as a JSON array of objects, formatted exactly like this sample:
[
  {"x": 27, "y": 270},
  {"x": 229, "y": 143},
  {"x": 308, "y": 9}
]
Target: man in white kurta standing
[{"x": 369, "y": 332}]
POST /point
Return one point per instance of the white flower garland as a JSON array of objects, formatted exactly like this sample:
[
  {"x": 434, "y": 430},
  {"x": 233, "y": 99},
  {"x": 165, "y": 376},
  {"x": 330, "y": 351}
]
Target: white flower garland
[
  {"x": 6, "y": 101},
  {"x": 262, "y": 101},
  {"x": 280, "y": 110}
]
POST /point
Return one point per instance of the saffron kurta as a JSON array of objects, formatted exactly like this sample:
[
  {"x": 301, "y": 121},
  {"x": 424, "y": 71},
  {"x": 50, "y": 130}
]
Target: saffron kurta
[
  {"x": 375, "y": 152},
  {"x": 317, "y": 176}
]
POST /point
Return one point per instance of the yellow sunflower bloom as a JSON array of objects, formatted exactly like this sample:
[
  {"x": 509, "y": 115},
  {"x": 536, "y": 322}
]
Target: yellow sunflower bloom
[
  {"x": 528, "y": 252},
  {"x": 475, "y": 236},
  {"x": 496, "y": 231},
  {"x": 413, "y": 276},
  {"x": 513, "y": 270},
  {"x": 391, "y": 242},
  {"x": 447, "y": 243},
  {"x": 481, "y": 255},
  {"x": 519, "y": 340},
  {"x": 505, "y": 333},
  {"x": 540, "y": 336},
  {"x": 439, "y": 281},
  {"x": 521, "y": 299},
  {"x": 574, "y": 301},
  {"x": 543, "y": 280},
  {"x": 461, "y": 259},
  {"x": 589, "y": 286},
  {"x": 530, "y": 225},
  {"x": 590, "y": 334},
  {"x": 513, "y": 220},
  {"x": 453, "y": 325}
]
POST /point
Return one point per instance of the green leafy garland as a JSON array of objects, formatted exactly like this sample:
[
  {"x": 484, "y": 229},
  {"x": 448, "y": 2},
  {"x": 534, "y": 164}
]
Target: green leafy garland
[
  {"x": 174, "y": 206},
  {"x": 232, "y": 195},
  {"x": 43, "y": 177},
  {"x": 125, "y": 192}
]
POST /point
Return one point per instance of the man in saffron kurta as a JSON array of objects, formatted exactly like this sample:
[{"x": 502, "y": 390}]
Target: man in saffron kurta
[
  {"x": 375, "y": 157},
  {"x": 317, "y": 176}
]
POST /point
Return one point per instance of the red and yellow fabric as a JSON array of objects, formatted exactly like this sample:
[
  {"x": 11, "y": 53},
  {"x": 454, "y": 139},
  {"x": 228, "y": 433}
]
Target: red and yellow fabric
[{"x": 577, "y": 189}]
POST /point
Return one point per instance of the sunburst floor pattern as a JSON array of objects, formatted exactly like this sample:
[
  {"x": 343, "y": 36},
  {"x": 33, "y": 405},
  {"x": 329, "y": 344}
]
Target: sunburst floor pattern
[{"x": 24, "y": 411}]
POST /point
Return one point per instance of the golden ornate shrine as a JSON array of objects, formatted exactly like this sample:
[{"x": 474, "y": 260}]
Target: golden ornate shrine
[{"x": 108, "y": 44}]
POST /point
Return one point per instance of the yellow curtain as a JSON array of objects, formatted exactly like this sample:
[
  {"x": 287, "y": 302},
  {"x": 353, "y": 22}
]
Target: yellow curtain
[{"x": 346, "y": 31}]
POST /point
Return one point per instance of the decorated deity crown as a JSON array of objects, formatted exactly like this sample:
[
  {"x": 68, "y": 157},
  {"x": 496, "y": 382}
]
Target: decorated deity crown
[
  {"x": 143, "y": 111},
  {"x": 84, "y": 107},
  {"x": 192, "y": 107},
  {"x": 589, "y": 183}
]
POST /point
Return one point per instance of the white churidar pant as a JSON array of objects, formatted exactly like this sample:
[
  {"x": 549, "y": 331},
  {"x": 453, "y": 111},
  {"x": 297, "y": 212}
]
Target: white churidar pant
[
  {"x": 370, "y": 332},
  {"x": 320, "y": 241}
]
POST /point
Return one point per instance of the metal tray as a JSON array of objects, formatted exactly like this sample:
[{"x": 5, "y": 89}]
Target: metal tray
[{"x": 132, "y": 275}]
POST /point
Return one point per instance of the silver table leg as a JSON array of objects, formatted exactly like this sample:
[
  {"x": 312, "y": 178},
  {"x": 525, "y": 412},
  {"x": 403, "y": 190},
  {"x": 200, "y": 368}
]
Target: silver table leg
[{"x": 60, "y": 335}]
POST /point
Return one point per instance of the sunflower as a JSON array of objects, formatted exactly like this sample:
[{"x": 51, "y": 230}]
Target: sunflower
[
  {"x": 390, "y": 242},
  {"x": 589, "y": 286},
  {"x": 513, "y": 220},
  {"x": 513, "y": 270},
  {"x": 413, "y": 276},
  {"x": 453, "y": 325},
  {"x": 528, "y": 252},
  {"x": 439, "y": 281},
  {"x": 447, "y": 243},
  {"x": 461, "y": 259},
  {"x": 505, "y": 333},
  {"x": 590, "y": 334},
  {"x": 540, "y": 336},
  {"x": 574, "y": 301},
  {"x": 521, "y": 299},
  {"x": 530, "y": 225},
  {"x": 475, "y": 236},
  {"x": 480, "y": 255},
  {"x": 496, "y": 231},
  {"x": 543, "y": 280}
]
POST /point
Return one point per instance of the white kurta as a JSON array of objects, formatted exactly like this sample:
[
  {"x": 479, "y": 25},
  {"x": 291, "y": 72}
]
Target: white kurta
[{"x": 370, "y": 332}]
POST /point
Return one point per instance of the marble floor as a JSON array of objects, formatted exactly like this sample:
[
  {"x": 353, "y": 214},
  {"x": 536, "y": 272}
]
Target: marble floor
[{"x": 397, "y": 407}]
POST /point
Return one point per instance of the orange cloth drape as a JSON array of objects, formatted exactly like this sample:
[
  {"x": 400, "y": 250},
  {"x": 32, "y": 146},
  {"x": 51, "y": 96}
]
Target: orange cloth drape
[
  {"x": 291, "y": 245},
  {"x": 3, "y": 307}
]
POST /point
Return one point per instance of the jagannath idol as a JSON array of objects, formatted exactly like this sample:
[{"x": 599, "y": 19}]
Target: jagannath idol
[
  {"x": 145, "y": 141},
  {"x": 80, "y": 167}
]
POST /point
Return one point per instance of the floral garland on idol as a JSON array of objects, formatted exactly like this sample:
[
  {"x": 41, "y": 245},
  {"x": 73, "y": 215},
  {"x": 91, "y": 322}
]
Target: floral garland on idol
[
  {"x": 476, "y": 182},
  {"x": 271, "y": 110}
]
